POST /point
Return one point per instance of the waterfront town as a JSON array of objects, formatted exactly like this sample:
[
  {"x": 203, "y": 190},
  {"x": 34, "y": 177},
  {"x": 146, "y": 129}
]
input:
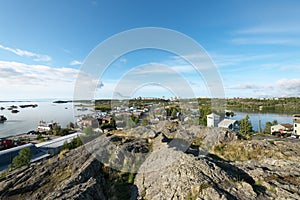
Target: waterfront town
[{"x": 115, "y": 117}]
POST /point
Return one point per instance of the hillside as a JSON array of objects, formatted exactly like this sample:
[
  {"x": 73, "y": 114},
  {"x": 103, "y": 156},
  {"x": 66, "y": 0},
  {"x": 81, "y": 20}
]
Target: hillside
[{"x": 212, "y": 164}]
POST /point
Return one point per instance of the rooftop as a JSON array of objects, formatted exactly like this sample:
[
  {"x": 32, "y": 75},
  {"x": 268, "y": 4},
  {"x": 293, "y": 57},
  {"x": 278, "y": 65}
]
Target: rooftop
[{"x": 57, "y": 142}]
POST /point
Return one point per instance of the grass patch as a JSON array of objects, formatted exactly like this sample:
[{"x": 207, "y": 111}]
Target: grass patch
[
  {"x": 259, "y": 182},
  {"x": 193, "y": 194},
  {"x": 272, "y": 189},
  {"x": 241, "y": 151}
]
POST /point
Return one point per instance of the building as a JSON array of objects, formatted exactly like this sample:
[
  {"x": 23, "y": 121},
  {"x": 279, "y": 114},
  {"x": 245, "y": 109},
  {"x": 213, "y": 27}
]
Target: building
[
  {"x": 229, "y": 123},
  {"x": 6, "y": 144},
  {"x": 296, "y": 121},
  {"x": 282, "y": 129},
  {"x": 6, "y": 156},
  {"x": 94, "y": 123},
  {"x": 44, "y": 126},
  {"x": 213, "y": 120},
  {"x": 54, "y": 146}
]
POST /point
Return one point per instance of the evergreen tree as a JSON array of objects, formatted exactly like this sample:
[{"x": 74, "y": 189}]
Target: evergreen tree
[
  {"x": 246, "y": 127},
  {"x": 267, "y": 129},
  {"x": 204, "y": 111},
  {"x": 22, "y": 159}
]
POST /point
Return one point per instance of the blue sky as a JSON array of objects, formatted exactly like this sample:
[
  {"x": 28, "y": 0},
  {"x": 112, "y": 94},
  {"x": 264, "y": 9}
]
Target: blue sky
[{"x": 254, "y": 44}]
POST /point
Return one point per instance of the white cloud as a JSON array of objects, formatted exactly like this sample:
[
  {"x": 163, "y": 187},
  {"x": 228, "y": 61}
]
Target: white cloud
[
  {"x": 75, "y": 62},
  {"x": 289, "y": 87},
  {"x": 34, "y": 56},
  {"x": 23, "y": 81},
  {"x": 269, "y": 30},
  {"x": 265, "y": 40}
]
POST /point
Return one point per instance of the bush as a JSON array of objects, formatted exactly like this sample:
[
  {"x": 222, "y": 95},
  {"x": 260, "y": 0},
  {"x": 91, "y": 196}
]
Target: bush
[
  {"x": 22, "y": 159},
  {"x": 75, "y": 142}
]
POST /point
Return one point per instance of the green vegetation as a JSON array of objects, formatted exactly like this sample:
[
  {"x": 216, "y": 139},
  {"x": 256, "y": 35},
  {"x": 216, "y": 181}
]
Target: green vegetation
[
  {"x": 268, "y": 125},
  {"x": 246, "y": 127},
  {"x": 259, "y": 182},
  {"x": 58, "y": 131},
  {"x": 118, "y": 183},
  {"x": 278, "y": 105},
  {"x": 22, "y": 159},
  {"x": 194, "y": 192},
  {"x": 238, "y": 151},
  {"x": 89, "y": 131},
  {"x": 75, "y": 142},
  {"x": 135, "y": 119},
  {"x": 205, "y": 109},
  {"x": 145, "y": 122}
]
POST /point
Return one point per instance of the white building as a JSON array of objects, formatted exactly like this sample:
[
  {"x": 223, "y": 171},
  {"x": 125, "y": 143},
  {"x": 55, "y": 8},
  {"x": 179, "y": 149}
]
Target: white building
[
  {"x": 213, "y": 120},
  {"x": 229, "y": 123},
  {"x": 296, "y": 121},
  {"x": 282, "y": 129}
]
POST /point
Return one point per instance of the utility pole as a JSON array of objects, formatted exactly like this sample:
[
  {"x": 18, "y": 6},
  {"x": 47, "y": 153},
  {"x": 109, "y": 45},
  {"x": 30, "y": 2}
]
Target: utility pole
[{"x": 259, "y": 124}]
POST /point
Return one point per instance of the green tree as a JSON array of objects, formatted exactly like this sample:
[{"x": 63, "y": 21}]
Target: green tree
[
  {"x": 174, "y": 112},
  {"x": 246, "y": 127},
  {"x": 204, "y": 111},
  {"x": 134, "y": 119},
  {"x": 113, "y": 123},
  {"x": 88, "y": 131},
  {"x": 39, "y": 137},
  {"x": 56, "y": 129},
  {"x": 267, "y": 129},
  {"x": 275, "y": 122},
  {"x": 22, "y": 159},
  {"x": 75, "y": 142}
]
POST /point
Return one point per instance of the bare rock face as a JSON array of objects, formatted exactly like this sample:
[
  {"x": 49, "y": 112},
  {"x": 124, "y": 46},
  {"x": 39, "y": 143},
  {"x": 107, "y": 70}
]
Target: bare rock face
[
  {"x": 74, "y": 175},
  {"x": 281, "y": 178},
  {"x": 171, "y": 174}
]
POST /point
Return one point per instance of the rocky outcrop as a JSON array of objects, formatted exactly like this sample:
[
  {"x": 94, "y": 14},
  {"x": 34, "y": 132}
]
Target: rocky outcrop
[
  {"x": 71, "y": 175},
  {"x": 171, "y": 174},
  {"x": 172, "y": 161}
]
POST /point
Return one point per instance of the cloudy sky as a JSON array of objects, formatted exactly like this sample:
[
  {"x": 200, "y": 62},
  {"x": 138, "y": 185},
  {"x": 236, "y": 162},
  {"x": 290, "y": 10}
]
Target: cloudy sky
[{"x": 255, "y": 45}]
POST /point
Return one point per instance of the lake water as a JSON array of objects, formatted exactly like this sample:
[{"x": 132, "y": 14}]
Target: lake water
[
  {"x": 28, "y": 118},
  {"x": 264, "y": 117}
]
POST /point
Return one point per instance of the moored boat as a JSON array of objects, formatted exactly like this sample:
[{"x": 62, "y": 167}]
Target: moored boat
[{"x": 15, "y": 111}]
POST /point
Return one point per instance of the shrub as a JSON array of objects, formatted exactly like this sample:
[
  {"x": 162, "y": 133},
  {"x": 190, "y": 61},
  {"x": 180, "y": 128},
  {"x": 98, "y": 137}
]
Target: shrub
[{"x": 22, "y": 159}]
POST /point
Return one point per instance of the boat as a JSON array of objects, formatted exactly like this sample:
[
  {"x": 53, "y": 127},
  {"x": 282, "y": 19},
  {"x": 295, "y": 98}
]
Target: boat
[
  {"x": 2, "y": 119},
  {"x": 45, "y": 126},
  {"x": 15, "y": 111},
  {"x": 2, "y": 108}
]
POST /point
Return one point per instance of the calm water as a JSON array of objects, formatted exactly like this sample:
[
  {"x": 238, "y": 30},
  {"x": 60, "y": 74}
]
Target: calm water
[
  {"x": 265, "y": 117},
  {"x": 28, "y": 118}
]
